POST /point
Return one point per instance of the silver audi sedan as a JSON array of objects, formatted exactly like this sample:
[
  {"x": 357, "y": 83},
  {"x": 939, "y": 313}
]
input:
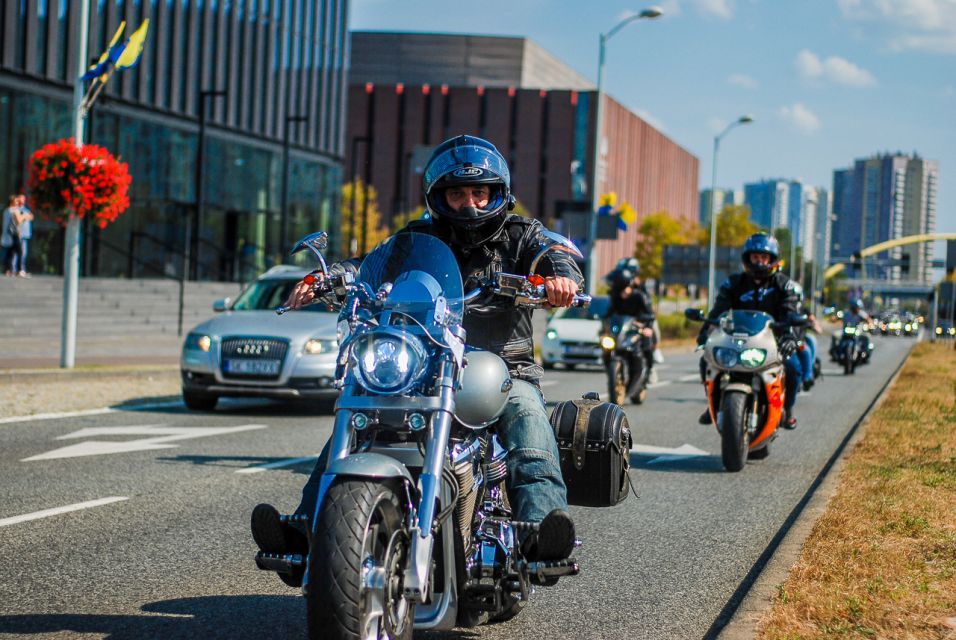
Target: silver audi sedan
[{"x": 249, "y": 351}]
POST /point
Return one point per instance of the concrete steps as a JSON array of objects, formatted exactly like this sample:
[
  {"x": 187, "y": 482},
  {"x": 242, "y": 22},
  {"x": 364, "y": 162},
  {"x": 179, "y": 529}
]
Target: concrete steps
[{"x": 32, "y": 308}]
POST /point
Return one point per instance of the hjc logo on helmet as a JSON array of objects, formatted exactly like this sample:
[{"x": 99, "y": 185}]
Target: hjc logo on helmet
[{"x": 468, "y": 172}]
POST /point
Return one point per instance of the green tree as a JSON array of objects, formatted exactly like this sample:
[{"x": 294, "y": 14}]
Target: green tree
[
  {"x": 656, "y": 230},
  {"x": 353, "y": 199},
  {"x": 733, "y": 226}
]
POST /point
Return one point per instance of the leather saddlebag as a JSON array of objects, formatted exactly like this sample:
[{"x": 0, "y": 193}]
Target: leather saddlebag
[{"x": 594, "y": 441}]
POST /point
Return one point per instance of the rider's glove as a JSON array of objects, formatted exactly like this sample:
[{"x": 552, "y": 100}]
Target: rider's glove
[
  {"x": 701, "y": 338},
  {"x": 788, "y": 346}
]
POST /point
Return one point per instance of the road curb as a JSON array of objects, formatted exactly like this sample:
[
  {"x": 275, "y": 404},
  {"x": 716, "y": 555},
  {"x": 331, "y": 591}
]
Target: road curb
[{"x": 759, "y": 597}]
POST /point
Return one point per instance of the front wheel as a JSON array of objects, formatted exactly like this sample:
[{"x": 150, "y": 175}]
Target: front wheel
[
  {"x": 734, "y": 436},
  {"x": 616, "y": 381},
  {"x": 356, "y": 564}
]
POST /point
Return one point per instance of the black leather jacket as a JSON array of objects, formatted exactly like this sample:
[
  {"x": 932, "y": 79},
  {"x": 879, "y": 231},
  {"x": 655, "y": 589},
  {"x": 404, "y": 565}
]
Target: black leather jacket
[
  {"x": 498, "y": 326},
  {"x": 777, "y": 296},
  {"x": 637, "y": 304}
]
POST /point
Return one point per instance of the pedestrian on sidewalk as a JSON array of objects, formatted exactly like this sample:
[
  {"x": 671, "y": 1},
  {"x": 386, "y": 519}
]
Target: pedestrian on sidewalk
[
  {"x": 10, "y": 234},
  {"x": 25, "y": 229}
]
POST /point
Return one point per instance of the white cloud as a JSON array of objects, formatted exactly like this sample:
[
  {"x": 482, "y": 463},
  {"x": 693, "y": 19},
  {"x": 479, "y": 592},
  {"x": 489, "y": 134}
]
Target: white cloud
[
  {"x": 742, "y": 80},
  {"x": 720, "y": 8},
  {"x": 799, "y": 116},
  {"x": 923, "y": 25},
  {"x": 835, "y": 69}
]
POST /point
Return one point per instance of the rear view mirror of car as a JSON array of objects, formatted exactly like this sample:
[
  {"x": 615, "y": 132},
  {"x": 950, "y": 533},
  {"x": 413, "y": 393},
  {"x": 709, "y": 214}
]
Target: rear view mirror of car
[{"x": 221, "y": 305}]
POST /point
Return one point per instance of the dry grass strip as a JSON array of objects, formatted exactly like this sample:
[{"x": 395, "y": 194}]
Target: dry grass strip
[{"x": 881, "y": 562}]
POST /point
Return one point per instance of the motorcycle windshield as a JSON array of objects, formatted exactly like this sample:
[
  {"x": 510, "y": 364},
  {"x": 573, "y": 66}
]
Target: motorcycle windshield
[
  {"x": 750, "y": 322},
  {"x": 421, "y": 270}
]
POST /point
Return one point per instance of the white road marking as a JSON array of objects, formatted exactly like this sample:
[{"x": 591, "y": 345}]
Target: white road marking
[
  {"x": 662, "y": 383},
  {"x": 832, "y": 372},
  {"x": 46, "y": 513},
  {"x": 276, "y": 465},
  {"x": 163, "y": 436},
  {"x": 689, "y": 377},
  {"x": 548, "y": 383},
  {"x": 669, "y": 454},
  {"x": 91, "y": 412}
]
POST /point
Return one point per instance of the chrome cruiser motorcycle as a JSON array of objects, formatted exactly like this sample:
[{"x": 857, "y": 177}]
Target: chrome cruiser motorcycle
[
  {"x": 744, "y": 382},
  {"x": 413, "y": 528}
]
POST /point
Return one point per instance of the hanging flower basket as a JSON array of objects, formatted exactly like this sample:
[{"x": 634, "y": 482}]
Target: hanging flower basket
[{"x": 66, "y": 181}]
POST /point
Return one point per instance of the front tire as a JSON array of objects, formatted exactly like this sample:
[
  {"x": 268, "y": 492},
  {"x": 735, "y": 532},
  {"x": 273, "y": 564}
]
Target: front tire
[
  {"x": 356, "y": 565},
  {"x": 734, "y": 437},
  {"x": 616, "y": 381}
]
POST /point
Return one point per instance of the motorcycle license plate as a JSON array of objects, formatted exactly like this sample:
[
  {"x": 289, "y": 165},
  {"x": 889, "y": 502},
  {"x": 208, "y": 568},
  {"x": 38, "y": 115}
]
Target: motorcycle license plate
[
  {"x": 255, "y": 367},
  {"x": 575, "y": 350}
]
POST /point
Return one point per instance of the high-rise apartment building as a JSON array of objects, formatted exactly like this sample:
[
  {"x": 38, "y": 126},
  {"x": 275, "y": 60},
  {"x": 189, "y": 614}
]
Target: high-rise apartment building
[
  {"x": 720, "y": 199},
  {"x": 769, "y": 202},
  {"x": 886, "y": 197}
]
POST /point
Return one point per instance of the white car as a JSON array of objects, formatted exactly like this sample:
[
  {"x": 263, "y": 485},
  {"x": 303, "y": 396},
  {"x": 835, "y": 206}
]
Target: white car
[
  {"x": 247, "y": 350},
  {"x": 573, "y": 336}
]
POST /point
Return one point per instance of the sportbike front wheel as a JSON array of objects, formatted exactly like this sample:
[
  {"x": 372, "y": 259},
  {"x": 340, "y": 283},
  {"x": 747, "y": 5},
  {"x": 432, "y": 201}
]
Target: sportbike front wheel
[
  {"x": 734, "y": 436},
  {"x": 357, "y": 563}
]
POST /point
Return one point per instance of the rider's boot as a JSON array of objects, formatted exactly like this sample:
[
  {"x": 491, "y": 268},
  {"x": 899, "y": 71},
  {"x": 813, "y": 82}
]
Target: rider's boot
[
  {"x": 705, "y": 417},
  {"x": 273, "y": 534},
  {"x": 789, "y": 420},
  {"x": 554, "y": 539}
]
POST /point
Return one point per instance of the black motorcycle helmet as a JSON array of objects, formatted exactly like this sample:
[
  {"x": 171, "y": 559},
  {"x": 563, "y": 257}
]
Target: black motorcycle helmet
[
  {"x": 468, "y": 161},
  {"x": 623, "y": 273},
  {"x": 761, "y": 243}
]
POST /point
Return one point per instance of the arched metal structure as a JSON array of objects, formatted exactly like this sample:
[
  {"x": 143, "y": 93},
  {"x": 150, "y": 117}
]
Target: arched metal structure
[{"x": 889, "y": 244}]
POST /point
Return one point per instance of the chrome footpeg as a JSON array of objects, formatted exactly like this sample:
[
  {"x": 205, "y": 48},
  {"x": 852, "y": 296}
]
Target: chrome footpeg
[{"x": 280, "y": 562}]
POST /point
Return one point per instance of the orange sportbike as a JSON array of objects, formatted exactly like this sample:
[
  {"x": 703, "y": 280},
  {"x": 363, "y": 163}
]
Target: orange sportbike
[{"x": 744, "y": 379}]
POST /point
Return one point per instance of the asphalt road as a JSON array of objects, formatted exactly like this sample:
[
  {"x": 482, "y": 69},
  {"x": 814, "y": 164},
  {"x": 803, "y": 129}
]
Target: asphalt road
[{"x": 170, "y": 556}]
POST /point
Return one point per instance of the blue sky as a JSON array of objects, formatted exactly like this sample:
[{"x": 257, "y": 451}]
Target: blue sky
[{"x": 827, "y": 81}]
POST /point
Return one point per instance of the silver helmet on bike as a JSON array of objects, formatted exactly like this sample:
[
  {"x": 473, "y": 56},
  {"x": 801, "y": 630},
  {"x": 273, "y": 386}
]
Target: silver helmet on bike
[{"x": 484, "y": 389}]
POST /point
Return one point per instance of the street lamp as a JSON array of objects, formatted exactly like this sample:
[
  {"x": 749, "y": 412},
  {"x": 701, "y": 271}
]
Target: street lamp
[
  {"x": 284, "y": 189},
  {"x": 712, "y": 273},
  {"x": 591, "y": 280}
]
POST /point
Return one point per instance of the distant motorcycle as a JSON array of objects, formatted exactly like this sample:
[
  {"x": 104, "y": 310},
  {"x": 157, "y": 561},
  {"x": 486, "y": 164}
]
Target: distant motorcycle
[
  {"x": 744, "y": 381},
  {"x": 625, "y": 345},
  {"x": 850, "y": 348}
]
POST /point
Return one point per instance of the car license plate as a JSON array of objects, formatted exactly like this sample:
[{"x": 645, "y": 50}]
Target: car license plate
[
  {"x": 257, "y": 367},
  {"x": 575, "y": 350}
]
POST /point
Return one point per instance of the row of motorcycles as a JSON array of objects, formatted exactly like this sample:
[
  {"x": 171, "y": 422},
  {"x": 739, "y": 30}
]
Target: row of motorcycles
[{"x": 413, "y": 528}]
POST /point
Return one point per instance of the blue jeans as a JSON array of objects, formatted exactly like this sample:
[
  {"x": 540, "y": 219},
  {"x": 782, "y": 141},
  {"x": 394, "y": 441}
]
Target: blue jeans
[
  {"x": 793, "y": 374},
  {"x": 535, "y": 484},
  {"x": 21, "y": 265},
  {"x": 807, "y": 356}
]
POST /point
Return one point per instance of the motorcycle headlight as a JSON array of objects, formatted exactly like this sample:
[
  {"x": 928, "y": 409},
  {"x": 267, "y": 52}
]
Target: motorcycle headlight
[
  {"x": 389, "y": 361},
  {"x": 197, "y": 342},
  {"x": 939, "y": 330},
  {"x": 607, "y": 343},
  {"x": 316, "y": 346},
  {"x": 726, "y": 357},
  {"x": 850, "y": 331},
  {"x": 753, "y": 358}
]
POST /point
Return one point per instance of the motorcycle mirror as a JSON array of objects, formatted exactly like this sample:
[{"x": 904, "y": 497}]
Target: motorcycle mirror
[
  {"x": 696, "y": 315},
  {"x": 798, "y": 319},
  {"x": 316, "y": 243},
  {"x": 554, "y": 242}
]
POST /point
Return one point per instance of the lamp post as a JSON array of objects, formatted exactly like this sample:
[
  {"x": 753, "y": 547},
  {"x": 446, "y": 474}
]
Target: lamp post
[
  {"x": 353, "y": 236},
  {"x": 284, "y": 193},
  {"x": 591, "y": 276},
  {"x": 188, "y": 239},
  {"x": 712, "y": 272}
]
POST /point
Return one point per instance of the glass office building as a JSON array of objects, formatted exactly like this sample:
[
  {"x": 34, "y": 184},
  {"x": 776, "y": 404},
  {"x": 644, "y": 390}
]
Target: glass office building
[{"x": 272, "y": 76}]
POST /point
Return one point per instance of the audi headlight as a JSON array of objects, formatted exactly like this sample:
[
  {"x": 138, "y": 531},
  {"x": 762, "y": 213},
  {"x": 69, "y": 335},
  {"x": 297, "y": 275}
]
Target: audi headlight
[
  {"x": 551, "y": 334},
  {"x": 316, "y": 346},
  {"x": 753, "y": 358},
  {"x": 726, "y": 357},
  {"x": 197, "y": 342},
  {"x": 388, "y": 360}
]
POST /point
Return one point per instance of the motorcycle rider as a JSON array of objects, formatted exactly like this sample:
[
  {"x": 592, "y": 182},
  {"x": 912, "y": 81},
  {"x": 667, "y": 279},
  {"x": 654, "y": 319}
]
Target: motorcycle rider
[
  {"x": 467, "y": 188},
  {"x": 855, "y": 317},
  {"x": 629, "y": 297},
  {"x": 761, "y": 287}
]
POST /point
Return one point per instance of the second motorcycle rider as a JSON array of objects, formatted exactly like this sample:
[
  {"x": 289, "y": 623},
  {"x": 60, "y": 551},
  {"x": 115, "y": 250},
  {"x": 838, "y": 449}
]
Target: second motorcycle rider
[
  {"x": 762, "y": 287},
  {"x": 467, "y": 188}
]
